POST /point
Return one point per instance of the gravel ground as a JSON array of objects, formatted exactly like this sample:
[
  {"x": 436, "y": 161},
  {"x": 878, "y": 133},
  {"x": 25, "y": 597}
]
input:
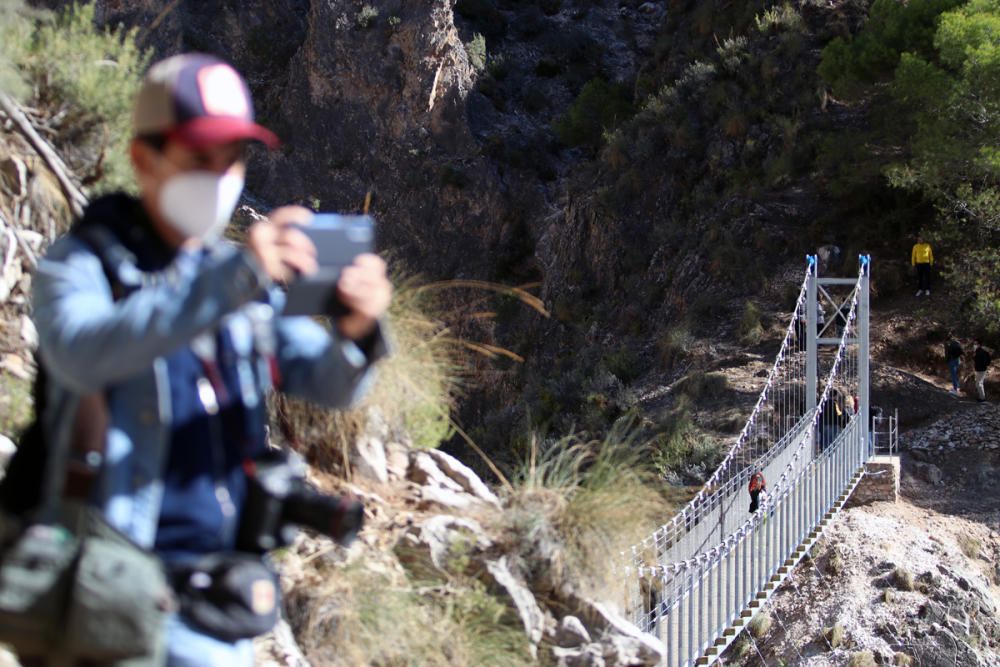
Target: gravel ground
[{"x": 949, "y": 618}]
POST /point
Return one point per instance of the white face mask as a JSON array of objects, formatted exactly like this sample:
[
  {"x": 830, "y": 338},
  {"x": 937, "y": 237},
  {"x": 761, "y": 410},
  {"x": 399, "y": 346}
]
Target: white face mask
[{"x": 199, "y": 204}]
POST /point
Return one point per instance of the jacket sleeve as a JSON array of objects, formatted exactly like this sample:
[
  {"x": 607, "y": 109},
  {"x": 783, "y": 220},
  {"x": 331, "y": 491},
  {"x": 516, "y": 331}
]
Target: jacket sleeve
[
  {"x": 323, "y": 368},
  {"x": 930, "y": 255},
  {"x": 913, "y": 256},
  {"x": 89, "y": 341}
]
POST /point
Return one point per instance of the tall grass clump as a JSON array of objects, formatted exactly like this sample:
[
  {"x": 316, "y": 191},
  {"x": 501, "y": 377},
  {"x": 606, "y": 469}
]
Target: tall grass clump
[
  {"x": 577, "y": 503},
  {"x": 414, "y": 390},
  {"x": 751, "y": 327},
  {"x": 82, "y": 78},
  {"x": 16, "y": 410},
  {"x": 354, "y": 616},
  {"x": 681, "y": 449}
]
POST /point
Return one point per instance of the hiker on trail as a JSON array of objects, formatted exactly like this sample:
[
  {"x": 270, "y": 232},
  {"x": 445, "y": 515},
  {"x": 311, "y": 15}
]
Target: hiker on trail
[
  {"x": 981, "y": 362},
  {"x": 757, "y": 486},
  {"x": 953, "y": 355},
  {"x": 178, "y": 365},
  {"x": 922, "y": 259},
  {"x": 820, "y": 317}
]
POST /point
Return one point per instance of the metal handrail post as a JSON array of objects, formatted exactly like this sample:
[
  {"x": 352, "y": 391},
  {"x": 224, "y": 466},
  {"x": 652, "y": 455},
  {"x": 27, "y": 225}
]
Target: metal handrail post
[
  {"x": 811, "y": 362},
  {"x": 864, "y": 359}
]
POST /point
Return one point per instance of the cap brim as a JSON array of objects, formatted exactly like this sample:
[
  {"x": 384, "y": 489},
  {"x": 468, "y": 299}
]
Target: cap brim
[{"x": 208, "y": 131}]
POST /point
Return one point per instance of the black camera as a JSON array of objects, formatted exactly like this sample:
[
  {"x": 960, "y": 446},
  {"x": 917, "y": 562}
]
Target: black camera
[{"x": 279, "y": 499}]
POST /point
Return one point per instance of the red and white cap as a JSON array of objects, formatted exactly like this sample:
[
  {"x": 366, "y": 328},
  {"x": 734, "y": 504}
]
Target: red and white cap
[{"x": 199, "y": 101}]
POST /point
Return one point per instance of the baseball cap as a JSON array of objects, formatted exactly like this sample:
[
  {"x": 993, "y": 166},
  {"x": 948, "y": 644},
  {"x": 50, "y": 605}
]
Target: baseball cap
[{"x": 199, "y": 101}]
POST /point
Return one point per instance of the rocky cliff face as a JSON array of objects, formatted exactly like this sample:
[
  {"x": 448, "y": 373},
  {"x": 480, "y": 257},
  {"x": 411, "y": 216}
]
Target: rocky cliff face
[
  {"x": 364, "y": 97},
  {"x": 643, "y": 162}
]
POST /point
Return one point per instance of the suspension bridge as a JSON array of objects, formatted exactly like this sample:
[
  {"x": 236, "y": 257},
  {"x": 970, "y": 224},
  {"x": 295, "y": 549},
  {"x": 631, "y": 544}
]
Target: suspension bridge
[{"x": 699, "y": 578}]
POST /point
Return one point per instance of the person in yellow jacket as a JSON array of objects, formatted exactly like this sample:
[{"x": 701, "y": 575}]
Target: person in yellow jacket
[{"x": 922, "y": 258}]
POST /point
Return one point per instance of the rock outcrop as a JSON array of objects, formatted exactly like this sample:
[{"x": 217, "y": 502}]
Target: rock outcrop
[{"x": 974, "y": 429}]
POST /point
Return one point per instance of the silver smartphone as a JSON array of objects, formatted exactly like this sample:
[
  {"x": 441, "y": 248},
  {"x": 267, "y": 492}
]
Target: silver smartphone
[{"x": 338, "y": 239}]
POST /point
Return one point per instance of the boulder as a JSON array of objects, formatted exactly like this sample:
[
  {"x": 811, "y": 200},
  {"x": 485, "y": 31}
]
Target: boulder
[
  {"x": 435, "y": 543},
  {"x": 634, "y": 647},
  {"x": 519, "y": 598},
  {"x": 591, "y": 655},
  {"x": 933, "y": 474},
  {"x": 464, "y": 477},
  {"x": 571, "y": 632},
  {"x": 368, "y": 458},
  {"x": 28, "y": 332},
  {"x": 278, "y": 648},
  {"x": 424, "y": 470},
  {"x": 447, "y": 498},
  {"x": 397, "y": 460}
]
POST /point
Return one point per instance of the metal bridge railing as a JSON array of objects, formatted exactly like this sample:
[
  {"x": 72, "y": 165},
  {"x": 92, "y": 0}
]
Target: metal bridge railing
[
  {"x": 713, "y": 589},
  {"x": 712, "y": 520},
  {"x": 691, "y": 579},
  {"x": 885, "y": 434},
  {"x": 782, "y": 401}
]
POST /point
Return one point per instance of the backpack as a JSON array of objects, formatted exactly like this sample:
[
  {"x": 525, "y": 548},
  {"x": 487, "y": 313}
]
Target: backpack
[
  {"x": 953, "y": 350},
  {"x": 757, "y": 482},
  {"x": 72, "y": 588}
]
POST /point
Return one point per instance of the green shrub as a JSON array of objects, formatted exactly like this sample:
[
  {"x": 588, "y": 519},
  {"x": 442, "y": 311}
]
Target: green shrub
[
  {"x": 16, "y": 408},
  {"x": 784, "y": 17},
  {"x": 835, "y": 563},
  {"x": 970, "y": 545},
  {"x": 862, "y": 659},
  {"x": 701, "y": 387},
  {"x": 681, "y": 449},
  {"x": 366, "y": 17},
  {"x": 835, "y": 635},
  {"x": 484, "y": 15},
  {"x": 550, "y": 7},
  {"x": 85, "y": 76},
  {"x": 623, "y": 363},
  {"x": 674, "y": 346},
  {"x": 893, "y": 28},
  {"x": 600, "y": 107},
  {"x": 750, "y": 328},
  {"x": 548, "y": 68},
  {"x": 760, "y": 625},
  {"x": 902, "y": 578},
  {"x": 454, "y": 176},
  {"x": 476, "y": 51}
]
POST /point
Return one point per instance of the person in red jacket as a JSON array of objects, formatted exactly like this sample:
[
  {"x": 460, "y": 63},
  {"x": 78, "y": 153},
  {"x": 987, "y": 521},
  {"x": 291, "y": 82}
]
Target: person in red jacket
[{"x": 756, "y": 487}]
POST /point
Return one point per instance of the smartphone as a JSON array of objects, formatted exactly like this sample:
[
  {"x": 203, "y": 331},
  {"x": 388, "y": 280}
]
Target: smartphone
[{"x": 338, "y": 239}]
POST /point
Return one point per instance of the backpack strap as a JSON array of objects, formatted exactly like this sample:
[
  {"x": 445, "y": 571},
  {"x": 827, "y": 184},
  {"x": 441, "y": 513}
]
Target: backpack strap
[{"x": 72, "y": 471}]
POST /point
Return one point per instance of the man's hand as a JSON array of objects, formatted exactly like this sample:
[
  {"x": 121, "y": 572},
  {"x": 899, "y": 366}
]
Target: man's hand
[
  {"x": 365, "y": 290},
  {"x": 282, "y": 250}
]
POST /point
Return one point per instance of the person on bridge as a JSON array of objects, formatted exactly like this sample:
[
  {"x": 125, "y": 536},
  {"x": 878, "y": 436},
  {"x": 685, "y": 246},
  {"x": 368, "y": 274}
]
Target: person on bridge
[
  {"x": 757, "y": 486},
  {"x": 981, "y": 362},
  {"x": 922, "y": 259},
  {"x": 953, "y": 355}
]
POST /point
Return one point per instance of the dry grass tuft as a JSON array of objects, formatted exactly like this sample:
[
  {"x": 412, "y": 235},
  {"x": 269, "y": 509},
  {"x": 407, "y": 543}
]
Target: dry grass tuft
[
  {"x": 835, "y": 635},
  {"x": 760, "y": 625},
  {"x": 414, "y": 390},
  {"x": 970, "y": 546},
  {"x": 902, "y": 578},
  {"x": 359, "y": 616},
  {"x": 577, "y": 504},
  {"x": 417, "y": 385},
  {"x": 862, "y": 659}
]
